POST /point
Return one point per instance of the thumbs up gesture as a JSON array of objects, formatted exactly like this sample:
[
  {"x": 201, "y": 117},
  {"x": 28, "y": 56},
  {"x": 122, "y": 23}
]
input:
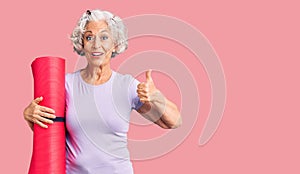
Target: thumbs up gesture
[
  {"x": 156, "y": 107},
  {"x": 146, "y": 90}
]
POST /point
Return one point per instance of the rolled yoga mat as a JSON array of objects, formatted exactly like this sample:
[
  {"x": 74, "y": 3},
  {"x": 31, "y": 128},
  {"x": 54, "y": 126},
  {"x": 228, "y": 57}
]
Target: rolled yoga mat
[{"x": 48, "y": 156}]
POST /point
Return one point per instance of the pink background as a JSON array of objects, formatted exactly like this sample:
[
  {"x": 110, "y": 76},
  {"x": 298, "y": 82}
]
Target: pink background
[{"x": 257, "y": 43}]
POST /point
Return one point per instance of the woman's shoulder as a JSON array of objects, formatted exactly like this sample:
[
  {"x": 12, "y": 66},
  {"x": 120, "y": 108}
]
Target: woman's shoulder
[
  {"x": 69, "y": 76},
  {"x": 126, "y": 81},
  {"x": 123, "y": 77}
]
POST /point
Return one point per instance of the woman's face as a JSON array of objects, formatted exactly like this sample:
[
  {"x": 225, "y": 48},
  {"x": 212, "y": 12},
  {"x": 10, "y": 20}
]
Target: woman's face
[{"x": 98, "y": 43}]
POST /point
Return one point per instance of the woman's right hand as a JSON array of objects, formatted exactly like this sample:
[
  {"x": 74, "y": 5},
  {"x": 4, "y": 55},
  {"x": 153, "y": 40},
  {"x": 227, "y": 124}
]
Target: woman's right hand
[{"x": 36, "y": 114}]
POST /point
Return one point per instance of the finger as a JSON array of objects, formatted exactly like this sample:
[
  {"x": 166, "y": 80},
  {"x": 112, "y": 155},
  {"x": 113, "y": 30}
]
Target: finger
[
  {"x": 141, "y": 85},
  {"x": 142, "y": 91},
  {"x": 47, "y": 115},
  {"x": 40, "y": 123},
  {"x": 38, "y": 100},
  {"x": 143, "y": 96},
  {"x": 148, "y": 75},
  {"x": 144, "y": 100},
  {"x": 45, "y": 109},
  {"x": 42, "y": 119}
]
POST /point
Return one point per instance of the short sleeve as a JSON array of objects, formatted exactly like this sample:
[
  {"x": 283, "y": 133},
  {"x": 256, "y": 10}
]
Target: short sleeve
[{"x": 134, "y": 98}]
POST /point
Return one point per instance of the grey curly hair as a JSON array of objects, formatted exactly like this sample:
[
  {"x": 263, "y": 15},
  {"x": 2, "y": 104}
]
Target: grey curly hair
[{"x": 115, "y": 24}]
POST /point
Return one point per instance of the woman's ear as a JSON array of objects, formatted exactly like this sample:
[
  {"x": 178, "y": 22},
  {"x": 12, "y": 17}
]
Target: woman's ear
[
  {"x": 114, "y": 51},
  {"x": 115, "y": 48}
]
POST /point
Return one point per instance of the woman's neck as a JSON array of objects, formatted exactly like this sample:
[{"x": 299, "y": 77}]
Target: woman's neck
[{"x": 96, "y": 75}]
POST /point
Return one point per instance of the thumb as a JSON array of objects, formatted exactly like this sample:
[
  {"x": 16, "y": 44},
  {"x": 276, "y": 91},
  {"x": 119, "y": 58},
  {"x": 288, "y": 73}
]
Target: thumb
[
  {"x": 38, "y": 100},
  {"x": 148, "y": 75}
]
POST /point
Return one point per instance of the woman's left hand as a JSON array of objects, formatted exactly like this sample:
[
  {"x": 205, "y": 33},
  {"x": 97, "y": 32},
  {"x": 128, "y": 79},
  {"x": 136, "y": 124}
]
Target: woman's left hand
[
  {"x": 147, "y": 91},
  {"x": 156, "y": 107}
]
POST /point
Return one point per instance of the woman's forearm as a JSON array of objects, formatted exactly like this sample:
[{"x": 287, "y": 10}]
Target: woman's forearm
[
  {"x": 162, "y": 112},
  {"x": 171, "y": 116}
]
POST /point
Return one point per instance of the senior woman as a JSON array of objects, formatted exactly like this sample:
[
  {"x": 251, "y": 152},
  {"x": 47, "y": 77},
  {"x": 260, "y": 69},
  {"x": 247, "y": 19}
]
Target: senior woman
[{"x": 99, "y": 100}]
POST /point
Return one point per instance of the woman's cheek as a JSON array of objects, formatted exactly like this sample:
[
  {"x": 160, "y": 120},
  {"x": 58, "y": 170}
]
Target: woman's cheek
[
  {"x": 107, "y": 47},
  {"x": 87, "y": 47}
]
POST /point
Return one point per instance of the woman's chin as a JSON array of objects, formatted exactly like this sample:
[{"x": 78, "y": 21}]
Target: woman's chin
[{"x": 96, "y": 61}]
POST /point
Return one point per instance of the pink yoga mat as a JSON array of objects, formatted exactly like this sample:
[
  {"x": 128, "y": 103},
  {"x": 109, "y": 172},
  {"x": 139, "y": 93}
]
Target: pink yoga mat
[{"x": 48, "y": 155}]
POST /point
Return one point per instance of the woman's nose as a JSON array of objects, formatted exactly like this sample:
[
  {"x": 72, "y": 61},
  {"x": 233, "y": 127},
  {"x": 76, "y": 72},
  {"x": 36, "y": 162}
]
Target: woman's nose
[{"x": 97, "y": 43}]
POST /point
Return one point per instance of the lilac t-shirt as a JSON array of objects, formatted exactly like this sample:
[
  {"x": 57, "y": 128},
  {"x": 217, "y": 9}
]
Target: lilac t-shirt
[{"x": 97, "y": 121}]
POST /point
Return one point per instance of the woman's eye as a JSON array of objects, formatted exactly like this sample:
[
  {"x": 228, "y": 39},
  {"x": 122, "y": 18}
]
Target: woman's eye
[
  {"x": 104, "y": 37},
  {"x": 88, "y": 38}
]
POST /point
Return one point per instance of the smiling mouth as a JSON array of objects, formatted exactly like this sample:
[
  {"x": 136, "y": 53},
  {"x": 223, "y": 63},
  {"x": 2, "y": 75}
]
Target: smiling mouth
[{"x": 97, "y": 54}]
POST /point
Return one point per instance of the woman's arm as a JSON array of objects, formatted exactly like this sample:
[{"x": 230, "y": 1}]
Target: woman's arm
[{"x": 156, "y": 107}]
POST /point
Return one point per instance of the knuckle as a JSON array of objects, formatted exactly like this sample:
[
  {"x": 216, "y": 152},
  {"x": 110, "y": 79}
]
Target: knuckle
[
  {"x": 33, "y": 104},
  {"x": 35, "y": 112},
  {"x": 46, "y": 115},
  {"x": 49, "y": 115},
  {"x": 36, "y": 107},
  {"x": 35, "y": 116},
  {"x": 42, "y": 114}
]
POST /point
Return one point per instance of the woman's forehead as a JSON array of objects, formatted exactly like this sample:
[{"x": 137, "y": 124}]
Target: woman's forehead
[{"x": 96, "y": 26}]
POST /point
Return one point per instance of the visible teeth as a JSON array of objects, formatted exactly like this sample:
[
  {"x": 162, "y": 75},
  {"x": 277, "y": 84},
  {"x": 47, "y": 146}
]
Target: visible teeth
[{"x": 96, "y": 54}]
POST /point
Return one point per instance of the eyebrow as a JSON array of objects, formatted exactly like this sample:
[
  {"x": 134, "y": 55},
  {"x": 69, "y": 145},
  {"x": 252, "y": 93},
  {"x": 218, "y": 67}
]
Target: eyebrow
[{"x": 104, "y": 30}]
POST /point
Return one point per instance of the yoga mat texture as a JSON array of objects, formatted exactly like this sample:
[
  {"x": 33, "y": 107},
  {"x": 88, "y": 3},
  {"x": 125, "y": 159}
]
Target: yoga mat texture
[{"x": 48, "y": 156}]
